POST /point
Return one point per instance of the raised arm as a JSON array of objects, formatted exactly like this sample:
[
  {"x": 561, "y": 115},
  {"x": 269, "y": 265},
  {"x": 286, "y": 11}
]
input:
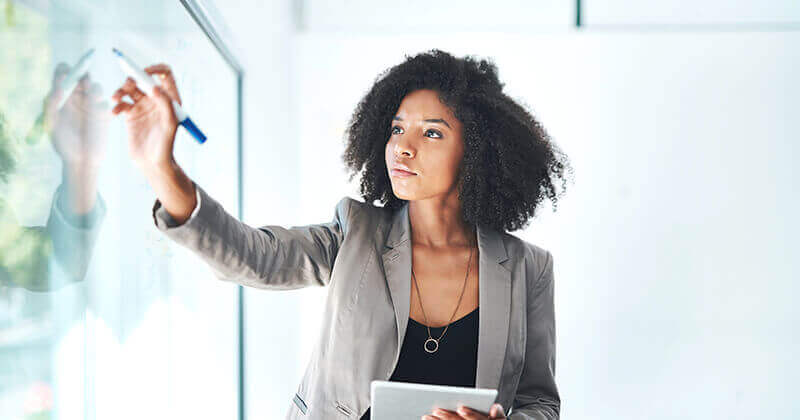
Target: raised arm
[
  {"x": 270, "y": 257},
  {"x": 537, "y": 395}
]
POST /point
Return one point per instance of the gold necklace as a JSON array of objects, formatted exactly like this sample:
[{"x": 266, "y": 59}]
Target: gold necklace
[{"x": 430, "y": 338}]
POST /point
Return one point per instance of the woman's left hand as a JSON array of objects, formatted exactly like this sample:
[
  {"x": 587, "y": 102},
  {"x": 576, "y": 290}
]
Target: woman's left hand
[
  {"x": 496, "y": 412},
  {"x": 79, "y": 130}
]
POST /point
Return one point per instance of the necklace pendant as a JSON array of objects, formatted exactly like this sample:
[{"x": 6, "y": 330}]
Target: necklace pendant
[{"x": 435, "y": 343}]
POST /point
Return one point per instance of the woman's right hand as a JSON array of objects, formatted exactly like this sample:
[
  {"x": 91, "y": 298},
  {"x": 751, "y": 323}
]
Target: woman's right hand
[
  {"x": 151, "y": 125},
  {"x": 150, "y": 120}
]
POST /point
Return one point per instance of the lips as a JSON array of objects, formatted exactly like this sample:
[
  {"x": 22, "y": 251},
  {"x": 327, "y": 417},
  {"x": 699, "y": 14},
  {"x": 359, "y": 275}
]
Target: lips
[
  {"x": 400, "y": 172},
  {"x": 403, "y": 168}
]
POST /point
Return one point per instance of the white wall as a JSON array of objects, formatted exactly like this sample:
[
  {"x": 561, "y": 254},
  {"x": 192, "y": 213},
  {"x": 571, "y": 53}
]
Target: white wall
[
  {"x": 396, "y": 17},
  {"x": 274, "y": 352},
  {"x": 691, "y": 12}
]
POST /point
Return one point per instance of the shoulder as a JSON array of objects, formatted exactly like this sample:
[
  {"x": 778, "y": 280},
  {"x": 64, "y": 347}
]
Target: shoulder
[
  {"x": 350, "y": 211},
  {"x": 535, "y": 261},
  {"x": 349, "y": 205}
]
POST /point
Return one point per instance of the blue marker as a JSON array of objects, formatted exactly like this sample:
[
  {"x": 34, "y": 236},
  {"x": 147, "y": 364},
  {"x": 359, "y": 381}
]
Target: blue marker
[{"x": 145, "y": 80}]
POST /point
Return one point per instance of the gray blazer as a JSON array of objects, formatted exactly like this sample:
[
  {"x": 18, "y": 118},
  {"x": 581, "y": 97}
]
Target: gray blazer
[{"x": 363, "y": 256}]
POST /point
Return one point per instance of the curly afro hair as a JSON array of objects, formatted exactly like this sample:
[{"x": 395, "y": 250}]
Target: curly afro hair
[{"x": 510, "y": 164}]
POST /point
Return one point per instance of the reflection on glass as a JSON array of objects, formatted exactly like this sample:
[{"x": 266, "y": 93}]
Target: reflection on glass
[
  {"x": 78, "y": 131},
  {"x": 95, "y": 305}
]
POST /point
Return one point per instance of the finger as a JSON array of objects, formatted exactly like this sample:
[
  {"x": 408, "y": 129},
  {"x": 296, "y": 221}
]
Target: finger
[
  {"x": 430, "y": 417},
  {"x": 164, "y": 75},
  {"x": 81, "y": 92},
  {"x": 446, "y": 414},
  {"x": 122, "y": 91},
  {"x": 162, "y": 98},
  {"x": 133, "y": 90},
  {"x": 60, "y": 73},
  {"x": 56, "y": 92},
  {"x": 128, "y": 88},
  {"x": 497, "y": 412},
  {"x": 470, "y": 414},
  {"x": 119, "y": 95},
  {"x": 83, "y": 83},
  {"x": 121, "y": 107}
]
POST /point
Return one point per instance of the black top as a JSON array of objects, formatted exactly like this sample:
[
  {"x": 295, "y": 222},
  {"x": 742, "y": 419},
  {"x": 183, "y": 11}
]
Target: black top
[{"x": 454, "y": 363}]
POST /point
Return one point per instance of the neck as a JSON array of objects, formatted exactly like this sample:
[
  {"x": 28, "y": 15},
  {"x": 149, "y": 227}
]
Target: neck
[{"x": 437, "y": 223}]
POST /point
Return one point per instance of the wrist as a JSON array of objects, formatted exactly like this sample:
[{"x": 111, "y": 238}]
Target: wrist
[
  {"x": 165, "y": 169},
  {"x": 173, "y": 188},
  {"x": 80, "y": 187},
  {"x": 79, "y": 171}
]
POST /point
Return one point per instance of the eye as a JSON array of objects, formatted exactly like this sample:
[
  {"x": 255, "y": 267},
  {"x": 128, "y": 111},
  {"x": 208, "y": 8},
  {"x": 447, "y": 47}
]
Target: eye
[
  {"x": 434, "y": 131},
  {"x": 438, "y": 134}
]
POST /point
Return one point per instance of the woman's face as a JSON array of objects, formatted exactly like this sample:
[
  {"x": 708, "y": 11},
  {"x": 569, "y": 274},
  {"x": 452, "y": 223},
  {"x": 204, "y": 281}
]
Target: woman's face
[{"x": 427, "y": 138}]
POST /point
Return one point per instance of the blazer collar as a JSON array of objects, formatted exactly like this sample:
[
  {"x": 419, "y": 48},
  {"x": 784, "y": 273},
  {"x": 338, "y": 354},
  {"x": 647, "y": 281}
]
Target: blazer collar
[{"x": 494, "y": 283}]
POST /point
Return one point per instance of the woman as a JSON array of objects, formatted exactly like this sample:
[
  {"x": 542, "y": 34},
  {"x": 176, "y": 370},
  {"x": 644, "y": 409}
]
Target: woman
[{"x": 455, "y": 163}]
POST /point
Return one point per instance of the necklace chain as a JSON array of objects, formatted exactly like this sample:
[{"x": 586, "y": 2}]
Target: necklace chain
[{"x": 430, "y": 338}]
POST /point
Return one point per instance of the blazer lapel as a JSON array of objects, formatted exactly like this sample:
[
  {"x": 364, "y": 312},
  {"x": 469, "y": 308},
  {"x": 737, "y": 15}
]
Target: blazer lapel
[
  {"x": 494, "y": 295},
  {"x": 397, "y": 266},
  {"x": 494, "y": 283}
]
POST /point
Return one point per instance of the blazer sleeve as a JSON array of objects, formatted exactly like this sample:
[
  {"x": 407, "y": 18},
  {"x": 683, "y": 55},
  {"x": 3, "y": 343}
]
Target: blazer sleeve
[
  {"x": 68, "y": 240},
  {"x": 537, "y": 395},
  {"x": 268, "y": 257},
  {"x": 74, "y": 236}
]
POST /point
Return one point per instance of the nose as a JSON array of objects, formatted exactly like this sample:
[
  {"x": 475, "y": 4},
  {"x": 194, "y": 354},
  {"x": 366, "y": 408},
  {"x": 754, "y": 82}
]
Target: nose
[{"x": 402, "y": 146}]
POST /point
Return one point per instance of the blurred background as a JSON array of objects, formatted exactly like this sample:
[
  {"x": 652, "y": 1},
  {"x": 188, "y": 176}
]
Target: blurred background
[{"x": 674, "y": 252}]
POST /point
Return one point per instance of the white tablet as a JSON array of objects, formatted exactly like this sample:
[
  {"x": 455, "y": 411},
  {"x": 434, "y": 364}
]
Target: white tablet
[{"x": 403, "y": 400}]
